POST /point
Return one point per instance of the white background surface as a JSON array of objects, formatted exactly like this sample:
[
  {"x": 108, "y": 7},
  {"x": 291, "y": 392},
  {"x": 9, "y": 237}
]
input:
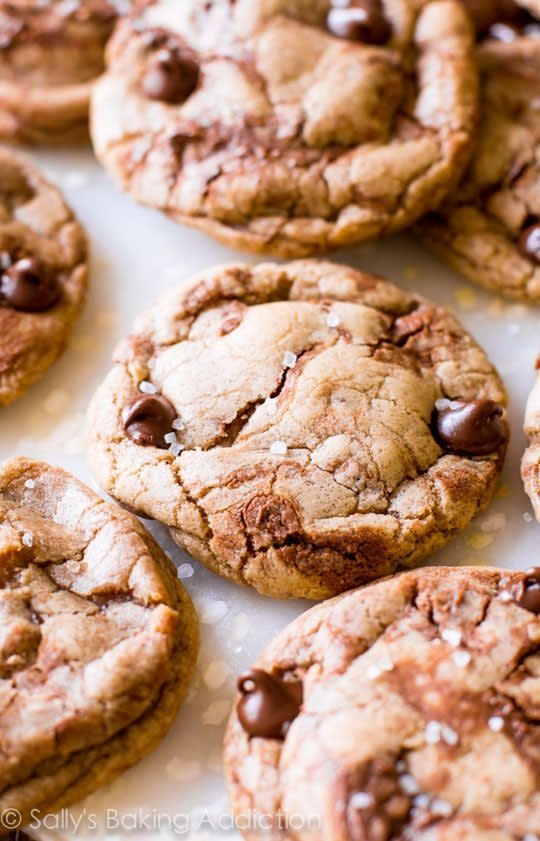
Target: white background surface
[{"x": 135, "y": 255}]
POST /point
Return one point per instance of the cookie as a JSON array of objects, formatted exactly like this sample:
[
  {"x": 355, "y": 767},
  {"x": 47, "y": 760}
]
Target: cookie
[
  {"x": 98, "y": 637},
  {"x": 490, "y": 230},
  {"x": 405, "y": 710},
  {"x": 530, "y": 465},
  {"x": 50, "y": 55},
  {"x": 300, "y": 428},
  {"x": 43, "y": 274},
  {"x": 288, "y": 127}
]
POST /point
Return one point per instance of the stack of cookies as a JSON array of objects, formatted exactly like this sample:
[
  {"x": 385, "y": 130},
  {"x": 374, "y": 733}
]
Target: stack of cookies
[{"x": 302, "y": 428}]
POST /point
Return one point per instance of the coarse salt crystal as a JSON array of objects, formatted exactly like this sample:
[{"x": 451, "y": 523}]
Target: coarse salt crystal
[
  {"x": 176, "y": 448},
  {"x": 178, "y": 424},
  {"x": 433, "y": 733},
  {"x": 496, "y": 723},
  {"x": 289, "y": 359},
  {"x": 28, "y": 539},
  {"x": 461, "y": 658},
  {"x": 361, "y": 800},
  {"x": 147, "y": 387},
  {"x": 408, "y": 784},
  {"x": 170, "y": 438},
  {"x": 278, "y": 448},
  {"x": 185, "y": 571},
  {"x": 332, "y": 320},
  {"x": 452, "y": 636},
  {"x": 505, "y": 596},
  {"x": 441, "y": 807},
  {"x": 449, "y": 735},
  {"x": 422, "y": 801},
  {"x": 30, "y": 484}
]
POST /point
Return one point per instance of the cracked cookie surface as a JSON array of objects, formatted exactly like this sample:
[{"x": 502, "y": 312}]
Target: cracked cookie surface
[
  {"x": 297, "y": 426},
  {"x": 98, "y": 639},
  {"x": 419, "y": 716},
  {"x": 43, "y": 274},
  {"x": 490, "y": 229},
  {"x": 276, "y": 126},
  {"x": 50, "y": 55}
]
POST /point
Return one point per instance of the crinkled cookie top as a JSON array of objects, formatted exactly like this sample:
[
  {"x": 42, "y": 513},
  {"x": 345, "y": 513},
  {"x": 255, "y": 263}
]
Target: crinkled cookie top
[
  {"x": 91, "y": 621},
  {"x": 416, "y": 716},
  {"x": 43, "y": 274},
  {"x": 289, "y": 126},
  {"x": 490, "y": 230},
  {"x": 301, "y": 428}
]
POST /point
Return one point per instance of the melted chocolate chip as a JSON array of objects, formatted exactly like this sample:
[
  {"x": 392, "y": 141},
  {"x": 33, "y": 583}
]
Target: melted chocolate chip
[
  {"x": 147, "y": 420},
  {"x": 476, "y": 429},
  {"x": 170, "y": 76},
  {"x": 529, "y": 240},
  {"x": 27, "y": 286},
  {"x": 530, "y": 591},
  {"x": 359, "y": 20},
  {"x": 268, "y": 704}
]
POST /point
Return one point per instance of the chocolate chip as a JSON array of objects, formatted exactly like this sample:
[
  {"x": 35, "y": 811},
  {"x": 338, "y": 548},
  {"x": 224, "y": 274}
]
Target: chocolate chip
[
  {"x": 170, "y": 76},
  {"x": 359, "y": 20},
  {"x": 530, "y": 591},
  {"x": 268, "y": 704},
  {"x": 147, "y": 420},
  {"x": 476, "y": 429},
  {"x": 529, "y": 240},
  {"x": 483, "y": 14},
  {"x": 27, "y": 286}
]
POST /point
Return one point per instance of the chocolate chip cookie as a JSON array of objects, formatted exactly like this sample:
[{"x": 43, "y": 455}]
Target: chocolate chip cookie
[
  {"x": 405, "y": 710},
  {"x": 530, "y": 465},
  {"x": 50, "y": 54},
  {"x": 98, "y": 638},
  {"x": 43, "y": 274},
  {"x": 490, "y": 230},
  {"x": 301, "y": 428},
  {"x": 288, "y": 127}
]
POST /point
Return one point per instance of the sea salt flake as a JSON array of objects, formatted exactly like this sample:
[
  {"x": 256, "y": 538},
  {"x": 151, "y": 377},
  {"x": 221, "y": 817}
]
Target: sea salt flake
[
  {"x": 496, "y": 723},
  {"x": 185, "y": 571},
  {"x": 30, "y": 484},
  {"x": 278, "y": 448},
  {"x": 422, "y": 801},
  {"x": 170, "y": 438},
  {"x": 332, "y": 320},
  {"x": 147, "y": 387},
  {"x": 361, "y": 800},
  {"x": 505, "y": 596},
  {"x": 432, "y": 733},
  {"x": 461, "y": 658},
  {"x": 289, "y": 359},
  {"x": 176, "y": 448},
  {"x": 408, "y": 784},
  {"x": 178, "y": 424},
  {"x": 449, "y": 735},
  {"x": 441, "y": 807},
  {"x": 28, "y": 539},
  {"x": 452, "y": 636}
]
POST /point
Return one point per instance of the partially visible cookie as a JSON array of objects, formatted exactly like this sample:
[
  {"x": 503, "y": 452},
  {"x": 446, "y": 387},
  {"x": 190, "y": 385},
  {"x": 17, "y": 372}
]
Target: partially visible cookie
[
  {"x": 530, "y": 465},
  {"x": 301, "y": 428},
  {"x": 490, "y": 230},
  {"x": 98, "y": 639},
  {"x": 409, "y": 709},
  {"x": 43, "y": 274},
  {"x": 50, "y": 54},
  {"x": 289, "y": 127}
]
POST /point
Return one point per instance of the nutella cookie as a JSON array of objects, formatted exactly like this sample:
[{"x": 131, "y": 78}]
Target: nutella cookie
[
  {"x": 301, "y": 428},
  {"x": 98, "y": 637},
  {"x": 405, "y": 710},
  {"x": 50, "y": 54},
  {"x": 490, "y": 230},
  {"x": 43, "y": 274},
  {"x": 288, "y": 126}
]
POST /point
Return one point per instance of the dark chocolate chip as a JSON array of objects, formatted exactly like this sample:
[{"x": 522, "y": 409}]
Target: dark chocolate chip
[
  {"x": 529, "y": 240},
  {"x": 476, "y": 429},
  {"x": 530, "y": 591},
  {"x": 268, "y": 704},
  {"x": 170, "y": 76},
  {"x": 359, "y": 20},
  {"x": 27, "y": 286},
  {"x": 147, "y": 420}
]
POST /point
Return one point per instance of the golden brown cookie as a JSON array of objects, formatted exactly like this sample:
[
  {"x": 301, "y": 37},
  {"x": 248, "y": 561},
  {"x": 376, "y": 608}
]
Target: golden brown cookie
[
  {"x": 301, "y": 428},
  {"x": 50, "y": 54},
  {"x": 530, "y": 465},
  {"x": 405, "y": 710},
  {"x": 43, "y": 274},
  {"x": 289, "y": 127},
  {"x": 98, "y": 639},
  {"x": 490, "y": 229}
]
